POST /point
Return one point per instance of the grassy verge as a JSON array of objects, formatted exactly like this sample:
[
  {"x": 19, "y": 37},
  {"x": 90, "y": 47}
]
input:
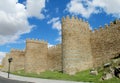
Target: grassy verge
[{"x": 83, "y": 76}]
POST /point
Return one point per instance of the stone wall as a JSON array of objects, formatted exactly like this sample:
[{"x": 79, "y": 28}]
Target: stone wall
[
  {"x": 80, "y": 49},
  {"x": 5, "y": 63},
  {"x": 36, "y": 56},
  {"x": 76, "y": 47},
  {"x": 18, "y": 57},
  {"x": 17, "y": 63},
  {"x": 54, "y": 58},
  {"x": 105, "y": 43}
]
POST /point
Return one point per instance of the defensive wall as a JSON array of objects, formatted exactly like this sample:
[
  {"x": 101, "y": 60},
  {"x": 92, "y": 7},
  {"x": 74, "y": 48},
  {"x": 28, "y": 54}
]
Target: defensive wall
[
  {"x": 105, "y": 43},
  {"x": 5, "y": 63},
  {"x": 54, "y": 58},
  {"x": 17, "y": 62},
  {"x": 18, "y": 59},
  {"x": 76, "y": 47},
  {"x": 36, "y": 56},
  {"x": 81, "y": 49}
]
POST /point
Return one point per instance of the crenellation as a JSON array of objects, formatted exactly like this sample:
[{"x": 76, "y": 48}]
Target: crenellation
[
  {"x": 76, "y": 18},
  {"x": 111, "y": 23},
  {"x": 95, "y": 30},
  {"x": 81, "y": 49},
  {"x": 101, "y": 28},
  {"x": 36, "y": 54},
  {"x": 16, "y": 50},
  {"x": 72, "y": 40},
  {"x": 106, "y": 26},
  {"x": 67, "y": 18},
  {"x": 116, "y": 21},
  {"x": 105, "y": 43},
  {"x": 36, "y": 41}
]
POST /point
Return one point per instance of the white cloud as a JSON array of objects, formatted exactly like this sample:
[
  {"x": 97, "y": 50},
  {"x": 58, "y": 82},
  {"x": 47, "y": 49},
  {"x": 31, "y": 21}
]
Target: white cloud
[
  {"x": 56, "y": 24},
  {"x": 112, "y": 7},
  {"x": 50, "y": 45},
  {"x": 13, "y": 21},
  {"x": 88, "y": 7},
  {"x": 59, "y": 39},
  {"x": 35, "y": 8},
  {"x": 2, "y": 55}
]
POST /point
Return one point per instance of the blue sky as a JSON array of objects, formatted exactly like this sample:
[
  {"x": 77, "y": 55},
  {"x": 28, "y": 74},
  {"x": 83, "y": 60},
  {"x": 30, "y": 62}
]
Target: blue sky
[{"x": 41, "y": 19}]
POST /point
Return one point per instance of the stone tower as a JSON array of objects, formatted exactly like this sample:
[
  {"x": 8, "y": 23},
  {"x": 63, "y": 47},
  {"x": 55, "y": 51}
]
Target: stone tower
[
  {"x": 17, "y": 59},
  {"x": 5, "y": 63},
  {"x": 76, "y": 46},
  {"x": 36, "y": 56}
]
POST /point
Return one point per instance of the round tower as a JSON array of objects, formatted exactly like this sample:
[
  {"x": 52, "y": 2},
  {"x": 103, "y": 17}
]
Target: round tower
[
  {"x": 36, "y": 56},
  {"x": 17, "y": 59},
  {"x": 5, "y": 63},
  {"x": 76, "y": 46}
]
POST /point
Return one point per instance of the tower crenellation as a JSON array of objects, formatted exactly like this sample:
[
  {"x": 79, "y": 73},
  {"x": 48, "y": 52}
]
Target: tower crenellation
[
  {"x": 36, "y": 52},
  {"x": 36, "y": 41},
  {"x": 75, "y": 45},
  {"x": 106, "y": 25},
  {"x": 81, "y": 48},
  {"x": 111, "y": 23}
]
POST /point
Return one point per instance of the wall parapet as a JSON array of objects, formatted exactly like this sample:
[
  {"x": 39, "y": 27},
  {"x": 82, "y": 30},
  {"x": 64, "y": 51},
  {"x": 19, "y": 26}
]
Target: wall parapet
[
  {"x": 17, "y": 50},
  {"x": 107, "y": 26},
  {"x": 55, "y": 46},
  {"x": 73, "y": 20},
  {"x": 36, "y": 41}
]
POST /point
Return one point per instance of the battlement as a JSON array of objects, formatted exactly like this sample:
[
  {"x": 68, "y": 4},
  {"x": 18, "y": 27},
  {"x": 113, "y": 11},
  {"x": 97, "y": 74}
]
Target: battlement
[
  {"x": 55, "y": 46},
  {"x": 36, "y": 41},
  {"x": 16, "y": 50},
  {"x": 73, "y": 20},
  {"x": 108, "y": 26}
]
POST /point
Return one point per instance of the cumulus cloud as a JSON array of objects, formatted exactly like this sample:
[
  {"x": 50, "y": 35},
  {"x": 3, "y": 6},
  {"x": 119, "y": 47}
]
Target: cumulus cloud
[
  {"x": 56, "y": 24},
  {"x": 88, "y": 7},
  {"x": 35, "y": 8},
  {"x": 59, "y": 39},
  {"x": 13, "y": 21},
  {"x": 2, "y": 55}
]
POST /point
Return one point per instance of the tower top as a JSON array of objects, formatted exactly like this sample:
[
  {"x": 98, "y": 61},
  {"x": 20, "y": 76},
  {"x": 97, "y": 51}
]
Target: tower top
[{"x": 36, "y": 41}]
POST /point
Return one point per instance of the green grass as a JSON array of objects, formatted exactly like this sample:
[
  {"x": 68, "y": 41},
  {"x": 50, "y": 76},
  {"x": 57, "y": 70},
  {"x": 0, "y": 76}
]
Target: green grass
[{"x": 83, "y": 76}]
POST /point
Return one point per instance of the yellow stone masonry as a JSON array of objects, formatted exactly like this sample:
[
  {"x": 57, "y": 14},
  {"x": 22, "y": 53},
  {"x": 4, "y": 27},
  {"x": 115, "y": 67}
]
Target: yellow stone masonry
[
  {"x": 54, "y": 58},
  {"x": 76, "y": 47},
  {"x": 36, "y": 56},
  {"x": 80, "y": 49}
]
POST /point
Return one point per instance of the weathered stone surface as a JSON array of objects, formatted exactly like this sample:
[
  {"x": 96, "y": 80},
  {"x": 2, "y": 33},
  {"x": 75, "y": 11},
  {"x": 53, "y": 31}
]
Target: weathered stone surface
[
  {"x": 93, "y": 72},
  {"x": 107, "y": 76},
  {"x": 5, "y": 63},
  {"x": 18, "y": 58},
  {"x": 81, "y": 49},
  {"x": 76, "y": 47},
  {"x": 54, "y": 58},
  {"x": 36, "y": 56},
  {"x": 105, "y": 43}
]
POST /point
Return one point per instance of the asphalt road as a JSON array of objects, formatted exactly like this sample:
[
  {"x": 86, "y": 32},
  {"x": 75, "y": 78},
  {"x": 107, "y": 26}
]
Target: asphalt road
[{"x": 4, "y": 80}]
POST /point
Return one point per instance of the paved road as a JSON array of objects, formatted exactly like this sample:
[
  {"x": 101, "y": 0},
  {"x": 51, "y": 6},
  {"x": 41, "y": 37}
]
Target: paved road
[
  {"x": 29, "y": 79},
  {"x": 5, "y": 80}
]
